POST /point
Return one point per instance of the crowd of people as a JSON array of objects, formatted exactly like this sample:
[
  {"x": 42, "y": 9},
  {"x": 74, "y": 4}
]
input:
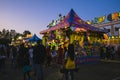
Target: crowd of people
[
  {"x": 32, "y": 58},
  {"x": 109, "y": 52}
]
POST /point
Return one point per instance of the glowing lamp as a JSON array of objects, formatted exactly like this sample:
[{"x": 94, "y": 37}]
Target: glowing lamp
[
  {"x": 109, "y": 37},
  {"x": 113, "y": 37},
  {"x": 29, "y": 35},
  {"x": 116, "y": 36},
  {"x": 77, "y": 29},
  {"x": 20, "y": 37},
  {"x": 13, "y": 39},
  {"x": 80, "y": 29},
  {"x": 88, "y": 22}
]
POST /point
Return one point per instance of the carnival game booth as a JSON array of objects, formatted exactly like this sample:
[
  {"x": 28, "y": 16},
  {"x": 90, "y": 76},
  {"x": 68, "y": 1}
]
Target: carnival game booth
[{"x": 72, "y": 29}]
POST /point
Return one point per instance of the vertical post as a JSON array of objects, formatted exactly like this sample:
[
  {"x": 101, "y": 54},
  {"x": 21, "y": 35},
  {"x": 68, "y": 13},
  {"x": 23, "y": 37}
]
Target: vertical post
[{"x": 112, "y": 30}]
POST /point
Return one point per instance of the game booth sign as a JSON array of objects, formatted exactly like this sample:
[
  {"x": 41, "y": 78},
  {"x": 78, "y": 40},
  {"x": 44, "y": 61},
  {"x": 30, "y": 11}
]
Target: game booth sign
[{"x": 72, "y": 29}]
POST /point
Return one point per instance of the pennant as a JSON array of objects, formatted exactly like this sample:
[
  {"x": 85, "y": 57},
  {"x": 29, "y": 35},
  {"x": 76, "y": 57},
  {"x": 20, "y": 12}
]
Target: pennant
[
  {"x": 101, "y": 19},
  {"x": 88, "y": 22},
  {"x": 115, "y": 16},
  {"x": 119, "y": 15}
]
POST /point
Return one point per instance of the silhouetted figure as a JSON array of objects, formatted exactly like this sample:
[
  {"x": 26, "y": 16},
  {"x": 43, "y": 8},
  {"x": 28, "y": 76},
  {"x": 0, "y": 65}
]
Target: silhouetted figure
[
  {"x": 26, "y": 68},
  {"x": 22, "y": 51},
  {"x": 38, "y": 60},
  {"x": 48, "y": 56},
  {"x": 60, "y": 55},
  {"x": 71, "y": 59}
]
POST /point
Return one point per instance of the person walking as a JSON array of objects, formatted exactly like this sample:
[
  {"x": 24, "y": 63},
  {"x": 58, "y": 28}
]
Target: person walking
[
  {"x": 38, "y": 60},
  {"x": 70, "y": 62}
]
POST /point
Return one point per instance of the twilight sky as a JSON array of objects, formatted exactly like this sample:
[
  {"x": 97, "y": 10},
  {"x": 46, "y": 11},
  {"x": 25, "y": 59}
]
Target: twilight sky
[{"x": 35, "y": 15}]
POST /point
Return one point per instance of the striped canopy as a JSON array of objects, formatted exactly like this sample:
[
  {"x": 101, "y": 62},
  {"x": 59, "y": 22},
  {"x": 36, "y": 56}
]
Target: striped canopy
[{"x": 72, "y": 20}]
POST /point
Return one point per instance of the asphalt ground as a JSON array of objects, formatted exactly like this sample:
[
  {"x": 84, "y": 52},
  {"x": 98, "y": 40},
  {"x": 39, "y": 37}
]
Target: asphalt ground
[{"x": 103, "y": 70}]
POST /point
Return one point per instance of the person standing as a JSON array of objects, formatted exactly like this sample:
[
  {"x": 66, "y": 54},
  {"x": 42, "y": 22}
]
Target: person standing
[
  {"x": 70, "y": 62},
  {"x": 27, "y": 68},
  {"x": 65, "y": 53},
  {"x": 14, "y": 54},
  {"x": 38, "y": 60},
  {"x": 60, "y": 55},
  {"x": 48, "y": 56},
  {"x": 30, "y": 51},
  {"x": 2, "y": 57},
  {"x": 54, "y": 55}
]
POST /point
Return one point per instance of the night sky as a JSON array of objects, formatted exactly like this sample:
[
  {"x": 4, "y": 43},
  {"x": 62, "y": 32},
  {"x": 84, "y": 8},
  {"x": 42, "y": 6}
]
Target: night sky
[{"x": 35, "y": 15}]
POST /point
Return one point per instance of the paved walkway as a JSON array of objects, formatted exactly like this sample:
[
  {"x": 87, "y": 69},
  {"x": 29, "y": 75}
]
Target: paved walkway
[
  {"x": 9, "y": 73},
  {"x": 104, "y": 70}
]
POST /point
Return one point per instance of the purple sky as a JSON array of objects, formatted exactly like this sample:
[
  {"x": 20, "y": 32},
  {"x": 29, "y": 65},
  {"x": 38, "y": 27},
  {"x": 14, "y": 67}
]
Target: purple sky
[{"x": 35, "y": 15}]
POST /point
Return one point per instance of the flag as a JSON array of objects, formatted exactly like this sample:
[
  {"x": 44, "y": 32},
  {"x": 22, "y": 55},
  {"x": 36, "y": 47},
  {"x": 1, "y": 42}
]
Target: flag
[
  {"x": 119, "y": 15},
  {"x": 101, "y": 19},
  {"x": 115, "y": 16}
]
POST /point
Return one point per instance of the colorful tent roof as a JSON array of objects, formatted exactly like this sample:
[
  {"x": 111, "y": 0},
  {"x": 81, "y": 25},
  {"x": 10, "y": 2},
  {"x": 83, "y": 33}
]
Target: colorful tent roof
[
  {"x": 72, "y": 19},
  {"x": 34, "y": 38}
]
